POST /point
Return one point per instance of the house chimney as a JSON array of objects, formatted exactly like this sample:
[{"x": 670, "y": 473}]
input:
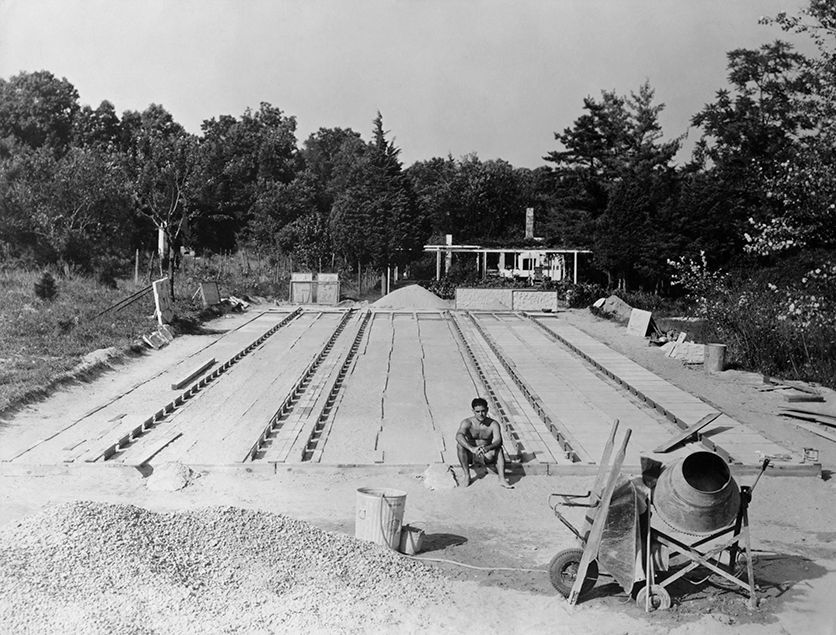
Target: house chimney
[{"x": 529, "y": 222}]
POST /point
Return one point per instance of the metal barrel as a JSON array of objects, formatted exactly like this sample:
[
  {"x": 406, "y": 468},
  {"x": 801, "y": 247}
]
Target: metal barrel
[{"x": 697, "y": 494}]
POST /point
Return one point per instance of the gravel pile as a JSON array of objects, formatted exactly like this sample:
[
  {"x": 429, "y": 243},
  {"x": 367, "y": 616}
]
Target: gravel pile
[
  {"x": 412, "y": 296},
  {"x": 94, "y": 567}
]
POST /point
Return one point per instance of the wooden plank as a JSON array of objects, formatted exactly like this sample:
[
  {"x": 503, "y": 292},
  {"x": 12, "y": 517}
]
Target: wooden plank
[
  {"x": 815, "y": 430},
  {"x": 790, "y": 384},
  {"x": 805, "y": 397},
  {"x": 202, "y": 368},
  {"x": 822, "y": 420},
  {"x": 593, "y": 543},
  {"x": 152, "y": 450},
  {"x": 812, "y": 411},
  {"x": 670, "y": 444}
]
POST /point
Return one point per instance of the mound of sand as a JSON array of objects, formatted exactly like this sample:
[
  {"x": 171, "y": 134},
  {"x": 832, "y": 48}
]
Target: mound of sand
[
  {"x": 411, "y": 297},
  {"x": 169, "y": 477}
]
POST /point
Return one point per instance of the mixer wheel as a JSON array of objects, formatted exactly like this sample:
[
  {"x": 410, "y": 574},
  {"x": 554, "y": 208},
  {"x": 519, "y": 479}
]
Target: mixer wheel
[{"x": 660, "y": 599}]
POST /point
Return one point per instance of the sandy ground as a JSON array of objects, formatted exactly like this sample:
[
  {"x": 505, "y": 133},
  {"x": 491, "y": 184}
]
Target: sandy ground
[{"x": 793, "y": 523}]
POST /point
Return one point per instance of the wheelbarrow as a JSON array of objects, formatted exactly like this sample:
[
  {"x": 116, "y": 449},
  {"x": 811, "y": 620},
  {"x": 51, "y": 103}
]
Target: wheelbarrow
[{"x": 574, "y": 571}]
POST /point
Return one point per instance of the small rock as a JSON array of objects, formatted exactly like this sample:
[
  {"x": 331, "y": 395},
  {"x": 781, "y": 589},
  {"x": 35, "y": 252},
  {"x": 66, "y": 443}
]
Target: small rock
[
  {"x": 169, "y": 477},
  {"x": 728, "y": 620},
  {"x": 439, "y": 476}
]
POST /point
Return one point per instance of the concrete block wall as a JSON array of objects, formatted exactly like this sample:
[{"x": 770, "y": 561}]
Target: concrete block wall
[
  {"x": 505, "y": 299},
  {"x": 489, "y": 299},
  {"x": 534, "y": 300}
]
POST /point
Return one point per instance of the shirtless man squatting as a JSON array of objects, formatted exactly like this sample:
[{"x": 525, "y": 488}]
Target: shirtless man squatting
[{"x": 479, "y": 440}]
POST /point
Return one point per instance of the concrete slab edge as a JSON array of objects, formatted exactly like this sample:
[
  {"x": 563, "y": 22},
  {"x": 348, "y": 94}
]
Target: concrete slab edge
[
  {"x": 666, "y": 412},
  {"x": 540, "y": 469}
]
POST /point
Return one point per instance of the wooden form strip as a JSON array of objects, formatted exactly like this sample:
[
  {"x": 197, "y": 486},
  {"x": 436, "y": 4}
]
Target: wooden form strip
[
  {"x": 193, "y": 374},
  {"x": 815, "y": 429},
  {"x": 298, "y": 389},
  {"x": 298, "y": 429},
  {"x": 573, "y": 449},
  {"x": 497, "y": 405},
  {"x": 159, "y": 444},
  {"x": 545, "y": 448},
  {"x": 313, "y": 451},
  {"x": 585, "y": 403},
  {"x": 99, "y": 433},
  {"x": 360, "y": 413},
  {"x": 674, "y": 417},
  {"x": 224, "y": 425},
  {"x": 123, "y": 441}
]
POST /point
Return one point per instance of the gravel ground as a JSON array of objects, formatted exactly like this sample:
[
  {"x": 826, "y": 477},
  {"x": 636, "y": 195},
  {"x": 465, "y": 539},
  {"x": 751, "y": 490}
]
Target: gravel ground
[{"x": 217, "y": 569}]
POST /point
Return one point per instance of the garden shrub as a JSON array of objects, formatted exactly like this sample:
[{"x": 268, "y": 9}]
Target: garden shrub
[
  {"x": 788, "y": 331},
  {"x": 45, "y": 288}
]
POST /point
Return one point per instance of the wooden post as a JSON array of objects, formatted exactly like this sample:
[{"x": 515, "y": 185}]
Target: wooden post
[
  {"x": 438, "y": 265},
  {"x": 575, "y": 272},
  {"x": 136, "y": 267}
]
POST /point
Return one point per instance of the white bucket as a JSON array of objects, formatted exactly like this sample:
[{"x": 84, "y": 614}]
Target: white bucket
[
  {"x": 715, "y": 358},
  {"x": 378, "y": 515}
]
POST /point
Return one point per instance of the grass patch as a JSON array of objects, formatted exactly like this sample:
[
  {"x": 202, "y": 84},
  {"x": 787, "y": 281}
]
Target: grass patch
[{"x": 42, "y": 340}]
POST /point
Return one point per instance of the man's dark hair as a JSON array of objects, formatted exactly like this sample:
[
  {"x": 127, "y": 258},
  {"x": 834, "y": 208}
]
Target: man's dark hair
[{"x": 478, "y": 402}]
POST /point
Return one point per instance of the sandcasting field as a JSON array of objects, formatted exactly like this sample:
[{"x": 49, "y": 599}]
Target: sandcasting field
[{"x": 333, "y": 400}]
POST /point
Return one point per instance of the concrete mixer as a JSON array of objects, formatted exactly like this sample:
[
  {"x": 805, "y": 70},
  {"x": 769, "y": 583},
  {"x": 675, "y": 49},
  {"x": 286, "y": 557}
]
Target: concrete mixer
[{"x": 689, "y": 512}]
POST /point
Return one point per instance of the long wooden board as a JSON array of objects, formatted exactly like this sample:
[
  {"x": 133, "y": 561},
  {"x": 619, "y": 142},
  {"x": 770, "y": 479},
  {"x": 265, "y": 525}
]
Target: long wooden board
[{"x": 686, "y": 434}]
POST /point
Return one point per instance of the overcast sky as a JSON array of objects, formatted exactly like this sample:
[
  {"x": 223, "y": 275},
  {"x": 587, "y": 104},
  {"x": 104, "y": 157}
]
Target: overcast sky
[{"x": 493, "y": 77}]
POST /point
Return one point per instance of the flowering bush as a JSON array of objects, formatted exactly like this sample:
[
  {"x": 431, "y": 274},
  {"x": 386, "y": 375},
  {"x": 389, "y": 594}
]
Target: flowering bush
[
  {"x": 700, "y": 283},
  {"x": 787, "y": 330}
]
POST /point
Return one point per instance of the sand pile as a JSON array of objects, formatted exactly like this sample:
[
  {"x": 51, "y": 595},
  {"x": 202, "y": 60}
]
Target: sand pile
[
  {"x": 169, "y": 477},
  {"x": 411, "y": 297},
  {"x": 103, "y": 568}
]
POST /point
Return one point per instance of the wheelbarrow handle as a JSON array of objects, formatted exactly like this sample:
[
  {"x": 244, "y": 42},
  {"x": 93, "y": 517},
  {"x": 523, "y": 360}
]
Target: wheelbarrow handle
[
  {"x": 568, "y": 503},
  {"x": 562, "y": 495},
  {"x": 569, "y": 525}
]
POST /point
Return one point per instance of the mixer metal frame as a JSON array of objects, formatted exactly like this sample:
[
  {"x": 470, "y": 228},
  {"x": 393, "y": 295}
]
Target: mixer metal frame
[{"x": 655, "y": 596}]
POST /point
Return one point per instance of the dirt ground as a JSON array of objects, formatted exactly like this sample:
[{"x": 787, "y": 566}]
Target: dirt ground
[{"x": 514, "y": 532}]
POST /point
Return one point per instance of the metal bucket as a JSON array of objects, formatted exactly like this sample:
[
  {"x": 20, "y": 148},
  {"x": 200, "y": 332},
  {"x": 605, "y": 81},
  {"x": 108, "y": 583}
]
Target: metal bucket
[
  {"x": 697, "y": 495},
  {"x": 715, "y": 358},
  {"x": 412, "y": 539},
  {"x": 378, "y": 515}
]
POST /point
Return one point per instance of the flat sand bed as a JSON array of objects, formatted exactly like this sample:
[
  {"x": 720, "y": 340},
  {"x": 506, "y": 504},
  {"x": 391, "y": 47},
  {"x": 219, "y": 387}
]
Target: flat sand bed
[{"x": 485, "y": 526}]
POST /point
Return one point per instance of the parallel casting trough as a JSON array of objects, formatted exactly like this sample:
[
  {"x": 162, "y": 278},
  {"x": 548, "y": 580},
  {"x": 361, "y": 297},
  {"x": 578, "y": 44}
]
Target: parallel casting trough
[{"x": 345, "y": 387}]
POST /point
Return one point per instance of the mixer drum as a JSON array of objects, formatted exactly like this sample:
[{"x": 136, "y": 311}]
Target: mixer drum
[{"x": 697, "y": 494}]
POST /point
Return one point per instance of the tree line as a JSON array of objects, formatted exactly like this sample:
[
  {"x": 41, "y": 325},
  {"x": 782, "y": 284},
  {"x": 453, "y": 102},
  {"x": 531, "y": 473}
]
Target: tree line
[{"x": 86, "y": 187}]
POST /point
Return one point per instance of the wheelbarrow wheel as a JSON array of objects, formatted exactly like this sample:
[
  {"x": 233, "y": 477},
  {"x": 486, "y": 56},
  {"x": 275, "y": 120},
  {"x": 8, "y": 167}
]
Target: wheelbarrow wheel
[
  {"x": 660, "y": 599},
  {"x": 563, "y": 571}
]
